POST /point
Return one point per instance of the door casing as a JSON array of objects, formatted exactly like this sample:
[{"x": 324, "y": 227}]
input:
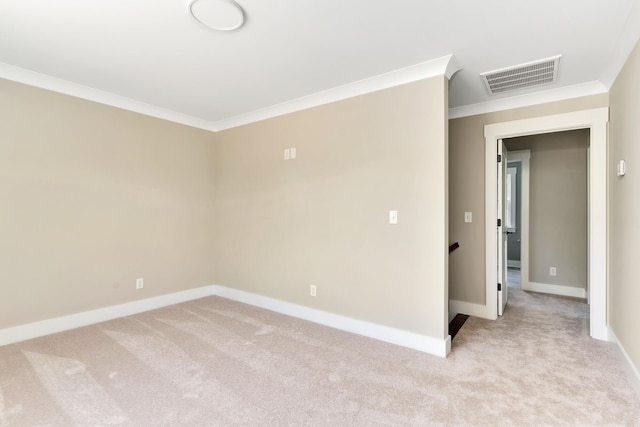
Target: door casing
[{"x": 596, "y": 120}]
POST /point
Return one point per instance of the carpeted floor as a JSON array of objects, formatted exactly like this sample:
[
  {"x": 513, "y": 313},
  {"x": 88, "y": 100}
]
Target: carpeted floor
[{"x": 214, "y": 362}]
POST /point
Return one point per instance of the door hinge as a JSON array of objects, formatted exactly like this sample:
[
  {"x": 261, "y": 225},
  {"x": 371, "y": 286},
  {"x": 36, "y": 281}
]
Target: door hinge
[
  {"x": 499, "y": 222},
  {"x": 499, "y": 158},
  {"x": 499, "y": 286}
]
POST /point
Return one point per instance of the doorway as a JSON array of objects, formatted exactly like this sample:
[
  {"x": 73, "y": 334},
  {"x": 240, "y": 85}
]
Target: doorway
[
  {"x": 596, "y": 121},
  {"x": 556, "y": 214}
]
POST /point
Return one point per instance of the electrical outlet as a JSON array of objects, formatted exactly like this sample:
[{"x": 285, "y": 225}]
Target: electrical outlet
[
  {"x": 292, "y": 152},
  {"x": 552, "y": 271},
  {"x": 287, "y": 154},
  {"x": 139, "y": 283},
  {"x": 312, "y": 290}
]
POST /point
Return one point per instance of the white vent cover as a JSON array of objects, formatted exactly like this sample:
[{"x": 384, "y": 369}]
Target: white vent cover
[{"x": 531, "y": 74}]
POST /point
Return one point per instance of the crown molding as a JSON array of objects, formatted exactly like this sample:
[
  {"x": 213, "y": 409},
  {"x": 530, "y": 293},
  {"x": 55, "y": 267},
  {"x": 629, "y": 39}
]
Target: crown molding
[
  {"x": 44, "y": 81},
  {"x": 529, "y": 99},
  {"x": 627, "y": 41},
  {"x": 446, "y": 65}
]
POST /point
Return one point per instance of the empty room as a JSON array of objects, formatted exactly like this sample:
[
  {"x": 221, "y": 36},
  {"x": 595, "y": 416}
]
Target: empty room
[{"x": 219, "y": 212}]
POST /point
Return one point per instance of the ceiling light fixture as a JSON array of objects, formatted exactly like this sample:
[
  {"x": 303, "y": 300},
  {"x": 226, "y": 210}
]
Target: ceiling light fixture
[{"x": 221, "y": 15}]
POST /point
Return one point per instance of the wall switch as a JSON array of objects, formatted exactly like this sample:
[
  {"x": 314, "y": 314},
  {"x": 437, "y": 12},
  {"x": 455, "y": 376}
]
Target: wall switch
[
  {"x": 552, "y": 271},
  {"x": 468, "y": 217},
  {"x": 312, "y": 290},
  {"x": 139, "y": 283},
  {"x": 287, "y": 154},
  {"x": 293, "y": 152},
  {"x": 393, "y": 217}
]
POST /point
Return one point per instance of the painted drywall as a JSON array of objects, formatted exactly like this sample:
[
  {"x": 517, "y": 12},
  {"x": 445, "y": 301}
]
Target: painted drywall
[
  {"x": 466, "y": 190},
  {"x": 94, "y": 197},
  {"x": 323, "y": 218},
  {"x": 624, "y": 208},
  {"x": 557, "y": 206}
]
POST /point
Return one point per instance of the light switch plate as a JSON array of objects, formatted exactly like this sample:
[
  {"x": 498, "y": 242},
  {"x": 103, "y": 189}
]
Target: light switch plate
[
  {"x": 468, "y": 217},
  {"x": 393, "y": 217},
  {"x": 293, "y": 152},
  {"x": 287, "y": 154}
]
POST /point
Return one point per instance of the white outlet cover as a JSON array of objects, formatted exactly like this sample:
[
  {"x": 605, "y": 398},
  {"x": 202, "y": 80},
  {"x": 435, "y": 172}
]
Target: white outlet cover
[
  {"x": 293, "y": 152},
  {"x": 468, "y": 217},
  {"x": 287, "y": 154}
]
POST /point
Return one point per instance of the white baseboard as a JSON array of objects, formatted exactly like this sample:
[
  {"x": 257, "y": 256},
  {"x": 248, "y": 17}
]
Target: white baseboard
[
  {"x": 435, "y": 346},
  {"x": 566, "y": 291},
  {"x": 438, "y": 347},
  {"x": 471, "y": 309},
  {"x": 72, "y": 321},
  {"x": 513, "y": 263},
  {"x": 633, "y": 373}
]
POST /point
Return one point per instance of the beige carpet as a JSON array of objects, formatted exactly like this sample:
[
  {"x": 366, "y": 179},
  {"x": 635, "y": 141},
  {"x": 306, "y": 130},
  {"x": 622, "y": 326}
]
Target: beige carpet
[{"x": 214, "y": 362}]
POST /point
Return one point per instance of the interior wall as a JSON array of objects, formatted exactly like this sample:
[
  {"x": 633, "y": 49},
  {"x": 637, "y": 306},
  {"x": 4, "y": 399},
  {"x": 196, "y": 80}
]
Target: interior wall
[
  {"x": 557, "y": 206},
  {"x": 323, "y": 218},
  {"x": 466, "y": 184},
  {"x": 624, "y": 210},
  {"x": 94, "y": 197}
]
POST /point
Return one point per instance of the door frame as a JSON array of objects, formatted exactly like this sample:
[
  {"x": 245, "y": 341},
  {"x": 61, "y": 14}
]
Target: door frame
[
  {"x": 524, "y": 157},
  {"x": 596, "y": 120}
]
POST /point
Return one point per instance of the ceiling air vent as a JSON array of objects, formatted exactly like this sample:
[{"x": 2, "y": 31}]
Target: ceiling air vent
[{"x": 536, "y": 73}]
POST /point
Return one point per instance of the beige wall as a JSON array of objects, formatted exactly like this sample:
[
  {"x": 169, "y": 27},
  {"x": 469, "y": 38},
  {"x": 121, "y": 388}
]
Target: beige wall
[
  {"x": 558, "y": 206},
  {"x": 466, "y": 194},
  {"x": 624, "y": 211},
  {"x": 323, "y": 218},
  {"x": 93, "y": 197}
]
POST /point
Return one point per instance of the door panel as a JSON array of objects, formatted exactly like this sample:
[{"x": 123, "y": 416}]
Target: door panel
[{"x": 501, "y": 229}]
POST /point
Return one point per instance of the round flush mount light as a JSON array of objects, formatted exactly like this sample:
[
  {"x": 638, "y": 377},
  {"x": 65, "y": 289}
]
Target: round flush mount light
[{"x": 221, "y": 15}]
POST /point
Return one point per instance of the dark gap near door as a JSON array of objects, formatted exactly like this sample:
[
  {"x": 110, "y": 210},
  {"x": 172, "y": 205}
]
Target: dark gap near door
[{"x": 456, "y": 324}]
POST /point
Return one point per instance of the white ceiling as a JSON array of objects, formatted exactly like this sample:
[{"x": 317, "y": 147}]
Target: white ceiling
[{"x": 153, "y": 55}]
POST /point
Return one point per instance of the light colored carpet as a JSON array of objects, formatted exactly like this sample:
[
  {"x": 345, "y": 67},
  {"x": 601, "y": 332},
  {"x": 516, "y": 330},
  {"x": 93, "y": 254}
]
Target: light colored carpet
[{"x": 214, "y": 362}]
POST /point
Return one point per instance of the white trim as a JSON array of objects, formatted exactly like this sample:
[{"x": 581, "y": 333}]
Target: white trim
[
  {"x": 468, "y": 308},
  {"x": 513, "y": 207},
  {"x": 72, "y": 321},
  {"x": 596, "y": 120},
  {"x": 528, "y": 99},
  {"x": 524, "y": 157},
  {"x": 66, "y": 87},
  {"x": 545, "y": 288},
  {"x": 623, "y": 47},
  {"x": 438, "y": 347},
  {"x": 633, "y": 373},
  {"x": 513, "y": 263},
  {"x": 445, "y": 65}
]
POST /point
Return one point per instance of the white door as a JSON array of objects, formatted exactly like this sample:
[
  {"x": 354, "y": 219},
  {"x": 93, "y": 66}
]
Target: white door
[{"x": 502, "y": 227}]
